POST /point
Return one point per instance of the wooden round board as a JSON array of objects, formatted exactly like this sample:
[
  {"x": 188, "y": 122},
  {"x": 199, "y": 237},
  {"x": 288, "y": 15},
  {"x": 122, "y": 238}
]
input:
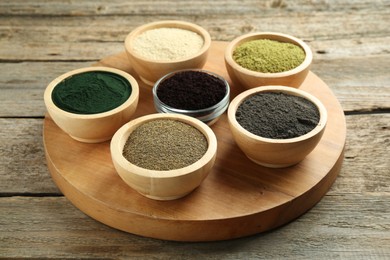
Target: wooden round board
[{"x": 237, "y": 199}]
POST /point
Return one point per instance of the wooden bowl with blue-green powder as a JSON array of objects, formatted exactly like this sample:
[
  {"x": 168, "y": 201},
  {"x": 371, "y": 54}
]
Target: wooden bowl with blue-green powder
[{"x": 91, "y": 103}]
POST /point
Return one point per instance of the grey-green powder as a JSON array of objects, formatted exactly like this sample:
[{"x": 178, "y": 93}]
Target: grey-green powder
[
  {"x": 165, "y": 144},
  {"x": 268, "y": 56},
  {"x": 277, "y": 115}
]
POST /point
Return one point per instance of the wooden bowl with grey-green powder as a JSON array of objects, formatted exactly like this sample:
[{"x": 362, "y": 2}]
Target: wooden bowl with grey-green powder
[
  {"x": 164, "y": 156},
  {"x": 91, "y": 104},
  {"x": 158, "y": 48},
  {"x": 276, "y": 126},
  {"x": 268, "y": 58}
]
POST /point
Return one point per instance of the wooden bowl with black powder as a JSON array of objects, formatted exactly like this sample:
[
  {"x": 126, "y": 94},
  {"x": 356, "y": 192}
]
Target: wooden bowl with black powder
[
  {"x": 158, "y": 48},
  {"x": 276, "y": 126},
  {"x": 268, "y": 58},
  {"x": 164, "y": 156},
  {"x": 91, "y": 104},
  {"x": 198, "y": 93}
]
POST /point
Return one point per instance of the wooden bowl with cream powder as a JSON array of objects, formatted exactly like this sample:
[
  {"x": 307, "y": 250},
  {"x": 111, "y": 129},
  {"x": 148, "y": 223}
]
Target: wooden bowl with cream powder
[
  {"x": 164, "y": 156},
  {"x": 276, "y": 126},
  {"x": 268, "y": 58},
  {"x": 91, "y": 104},
  {"x": 158, "y": 48}
]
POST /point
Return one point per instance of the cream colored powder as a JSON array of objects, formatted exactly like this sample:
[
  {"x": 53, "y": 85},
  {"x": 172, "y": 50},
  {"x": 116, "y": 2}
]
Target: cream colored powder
[{"x": 167, "y": 44}]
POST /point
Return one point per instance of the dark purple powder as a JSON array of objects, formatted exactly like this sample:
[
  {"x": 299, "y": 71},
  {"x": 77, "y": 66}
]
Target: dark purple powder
[
  {"x": 191, "y": 90},
  {"x": 277, "y": 115}
]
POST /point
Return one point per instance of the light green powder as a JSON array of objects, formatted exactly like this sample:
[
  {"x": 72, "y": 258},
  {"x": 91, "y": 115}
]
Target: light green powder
[{"x": 268, "y": 56}]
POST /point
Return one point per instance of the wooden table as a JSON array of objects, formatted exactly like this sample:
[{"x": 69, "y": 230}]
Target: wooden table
[{"x": 43, "y": 39}]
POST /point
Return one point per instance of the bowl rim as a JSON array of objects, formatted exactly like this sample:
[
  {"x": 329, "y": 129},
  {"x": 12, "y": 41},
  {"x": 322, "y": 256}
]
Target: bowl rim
[
  {"x": 120, "y": 137},
  {"x": 222, "y": 102},
  {"x": 168, "y": 24},
  {"x": 272, "y": 36},
  {"x": 132, "y": 98},
  {"x": 234, "y": 104}
]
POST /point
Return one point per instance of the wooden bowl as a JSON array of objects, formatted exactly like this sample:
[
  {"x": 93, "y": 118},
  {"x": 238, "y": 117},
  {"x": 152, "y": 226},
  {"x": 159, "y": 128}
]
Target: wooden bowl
[
  {"x": 208, "y": 115},
  {"x": 163, "y": 185},
  {"x": 151, "y": 70},
  {"x": 276, "y": 153},
  {"x": 92, "y": 128},
  {"x": 251, "y": 79}
]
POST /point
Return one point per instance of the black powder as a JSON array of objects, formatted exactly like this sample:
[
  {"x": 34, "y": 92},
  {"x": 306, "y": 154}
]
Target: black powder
[
  {"x": 277, "y": 115},
  {"x": 191, "y": 90}
]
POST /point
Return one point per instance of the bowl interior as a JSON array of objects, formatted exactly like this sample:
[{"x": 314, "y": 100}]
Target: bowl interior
[
  {"x": 271, "y": 36},
  {"x": 287, "y": 90},
  {"x": 51, "y": 106},
  {"x": 222, "y": 104},
  {"x": 168, "y": 24}
]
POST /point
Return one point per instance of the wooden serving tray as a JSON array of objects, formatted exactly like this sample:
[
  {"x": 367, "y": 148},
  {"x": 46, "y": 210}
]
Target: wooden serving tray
[{"x": 238, "y": 198}]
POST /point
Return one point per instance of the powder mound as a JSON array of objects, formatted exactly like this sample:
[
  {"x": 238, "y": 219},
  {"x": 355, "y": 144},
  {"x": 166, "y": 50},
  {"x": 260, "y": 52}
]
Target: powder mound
[
  {"x": 164, "y": 145},
  {"x": 277, "y": 115},
  {"x": 167, "y": 44},
  {"x": 91, "y": 92},
  {"x": 191, "y": 90},
  {"x": 268, "y": 56}
]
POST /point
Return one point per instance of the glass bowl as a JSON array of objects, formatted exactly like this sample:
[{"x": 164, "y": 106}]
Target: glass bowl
[{"x": 208, "y": 115}]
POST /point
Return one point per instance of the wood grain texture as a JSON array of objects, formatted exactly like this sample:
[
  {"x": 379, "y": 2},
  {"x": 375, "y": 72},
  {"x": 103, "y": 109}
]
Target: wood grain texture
[
  {"x": 21, "y": 145},
  {"x": 42, "y": 39},
  {"x": 150, "y": 7},
  {"x": 65, "y": 232},
  {"x": 340, "y": 56},
  {"x": 348, "y": 222},
  {"x": 67, "y": 40},
  {"x": 22, "y": 169},
  {"x": 356, "y": 88}
]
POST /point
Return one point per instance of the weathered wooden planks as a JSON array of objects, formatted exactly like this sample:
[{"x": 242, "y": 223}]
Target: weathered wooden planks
[
  {"x": 358, "y": 89},
  {"x": 93, "y": 37},
  {"x": 41, "y": 39},
  {"x": 352, "y": 61},
  {"x": 150, "y": 7},
  {"x": 65, "y": 232},
  {"x": 365, "y": 169}
]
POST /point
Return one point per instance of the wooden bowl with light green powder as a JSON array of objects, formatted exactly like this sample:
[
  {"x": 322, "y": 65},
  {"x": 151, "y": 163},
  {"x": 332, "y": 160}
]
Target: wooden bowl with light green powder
[
  {"x": 91, "y": 104},
  {"x": 158, "y": 48},
  {"x": 164, "y": 156},
  {"x": 267, "y": 58}
]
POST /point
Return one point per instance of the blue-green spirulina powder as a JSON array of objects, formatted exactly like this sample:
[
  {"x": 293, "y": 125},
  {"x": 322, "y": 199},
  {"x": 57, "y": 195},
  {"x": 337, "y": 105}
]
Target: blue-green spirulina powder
[{"x": 91, "y": 92}]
